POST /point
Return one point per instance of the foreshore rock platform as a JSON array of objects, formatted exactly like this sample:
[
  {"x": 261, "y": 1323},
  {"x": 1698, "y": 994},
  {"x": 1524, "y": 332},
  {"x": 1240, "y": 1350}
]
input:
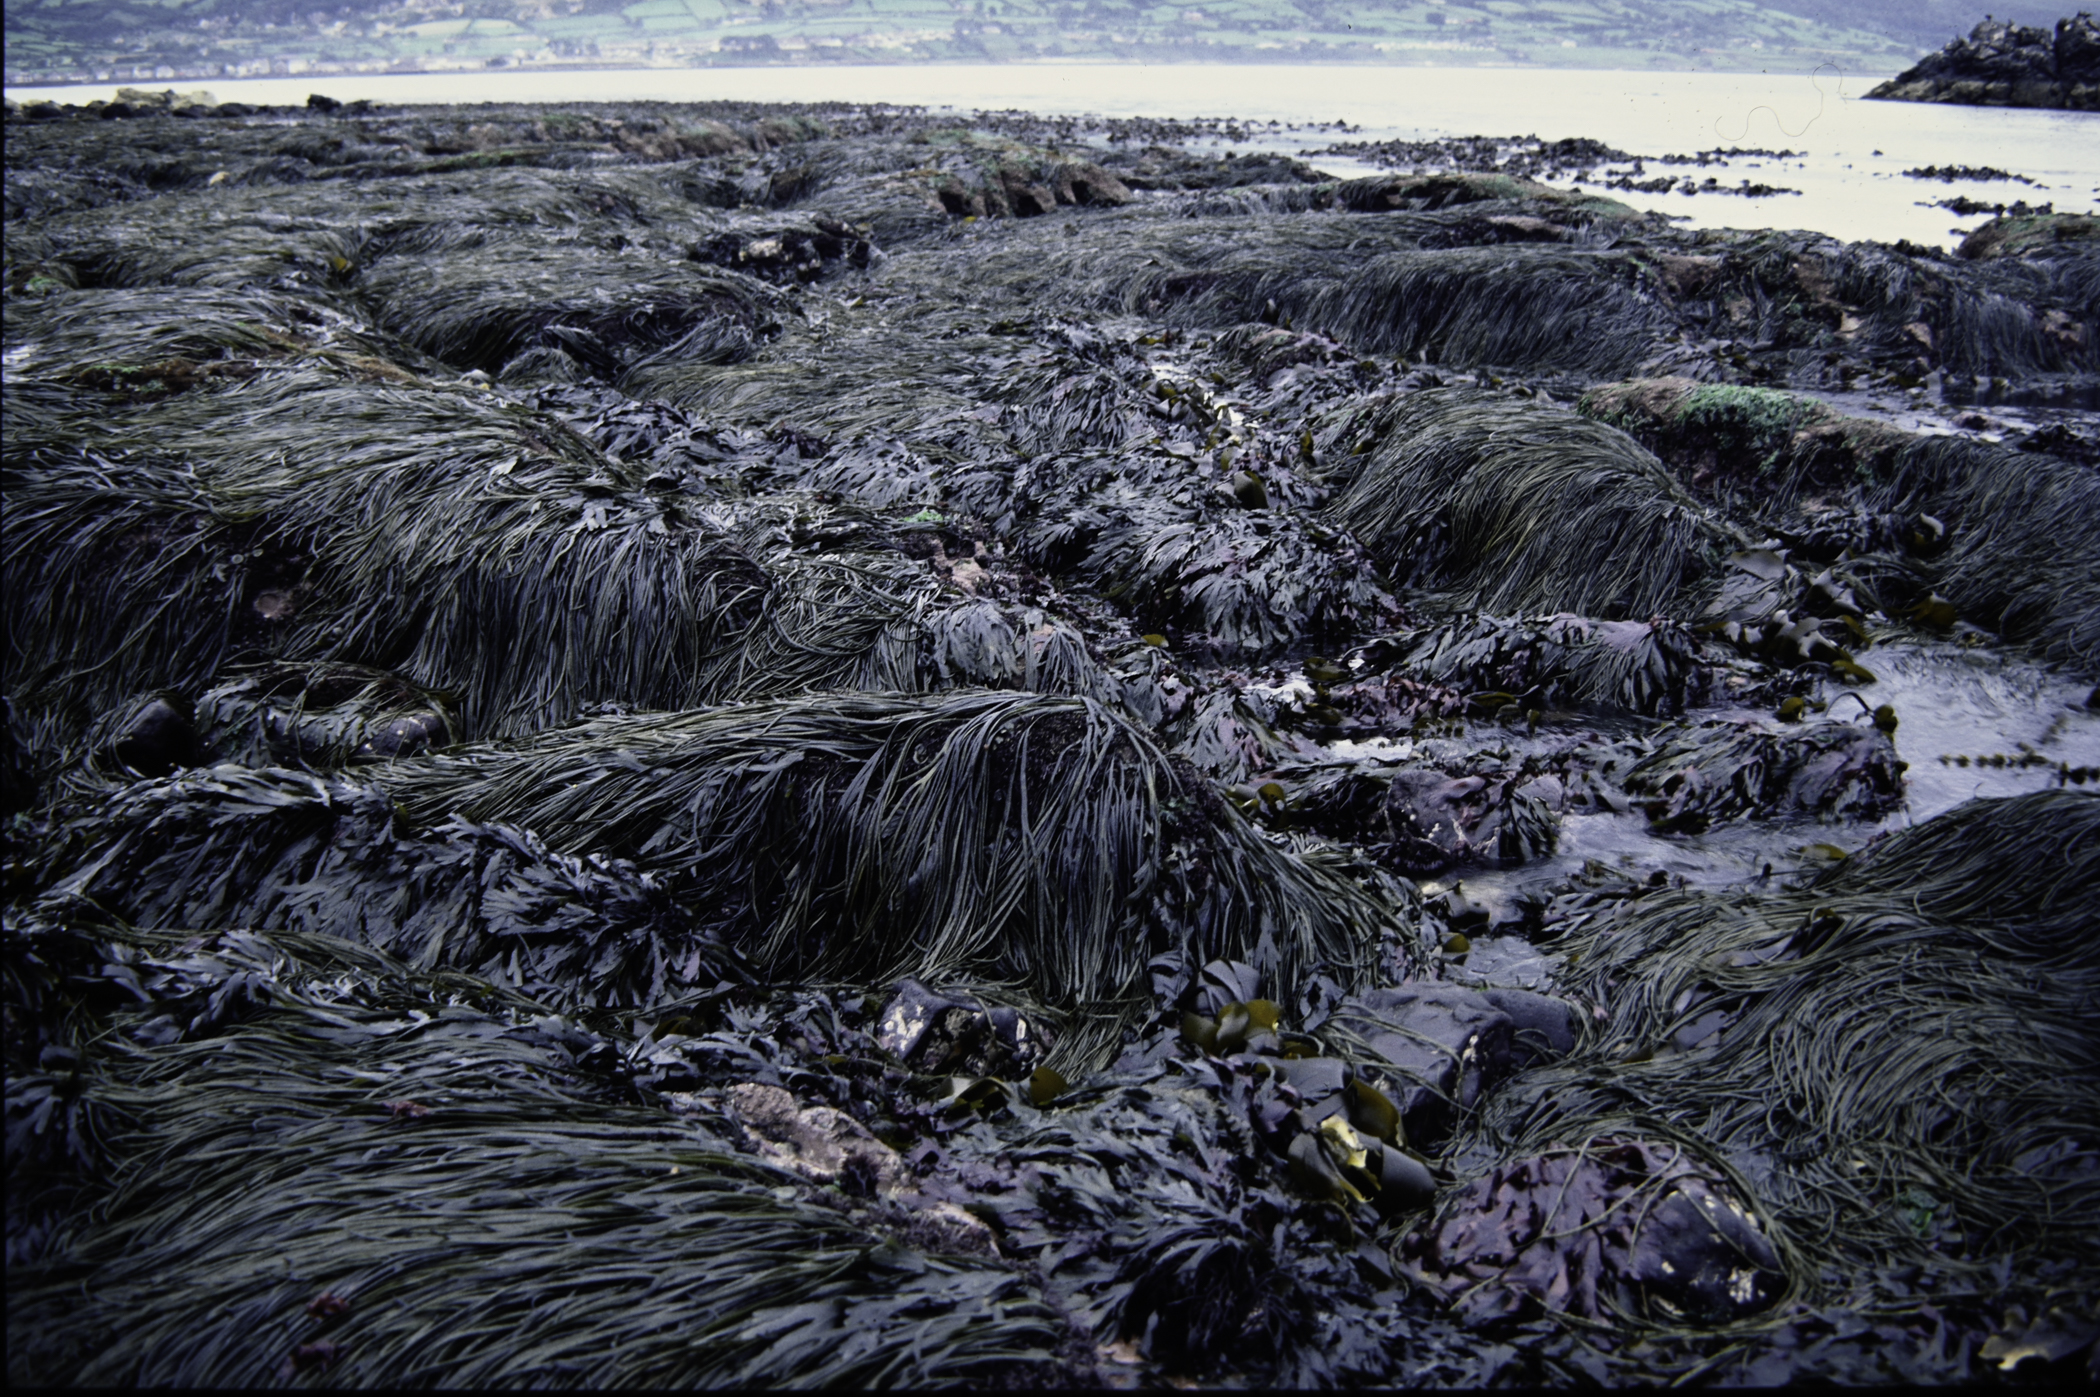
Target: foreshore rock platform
[{"x": 739, "y": 746}]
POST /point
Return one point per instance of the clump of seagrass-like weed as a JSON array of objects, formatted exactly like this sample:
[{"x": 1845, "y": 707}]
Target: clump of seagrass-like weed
[
  {"x": 1506, "y": 505},
  {"x": 1892, "y": 1060},
  {"x": 1029, "y": 839},
  {"x": 350, "y": 1172},
  {"x": 469, "y": 543}
]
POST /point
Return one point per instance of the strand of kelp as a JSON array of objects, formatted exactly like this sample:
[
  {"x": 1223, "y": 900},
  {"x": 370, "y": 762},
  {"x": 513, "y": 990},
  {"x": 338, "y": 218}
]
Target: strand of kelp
[
  {"x": 1895, "y": 1060},
  {"x": 358, "y": 1175},
  {"x": 1033, "y": 840}
]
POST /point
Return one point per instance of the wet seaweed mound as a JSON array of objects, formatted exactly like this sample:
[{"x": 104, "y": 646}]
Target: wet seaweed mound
[
  {"x": 1031, "y": 840},
  {"x": 1894, "y": 1078},
  {"x": 724, "y": 746},
  {"x": 1514, "y": 507}
]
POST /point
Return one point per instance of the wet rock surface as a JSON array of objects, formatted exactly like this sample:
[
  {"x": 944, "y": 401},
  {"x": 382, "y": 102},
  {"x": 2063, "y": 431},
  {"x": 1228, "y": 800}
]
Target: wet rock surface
[
  {"x": 838, "y": 745},
  {"x": 1444, "y": 1045},
  {"x": 1621, "y": 1225}
]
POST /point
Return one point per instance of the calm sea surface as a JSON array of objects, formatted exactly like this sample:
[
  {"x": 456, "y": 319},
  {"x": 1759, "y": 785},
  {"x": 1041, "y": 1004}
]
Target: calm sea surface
[{"x": 1849, "y": 171}]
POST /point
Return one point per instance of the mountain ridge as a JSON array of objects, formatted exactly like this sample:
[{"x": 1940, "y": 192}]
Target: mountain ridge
[{"x": 191, "y": 40}]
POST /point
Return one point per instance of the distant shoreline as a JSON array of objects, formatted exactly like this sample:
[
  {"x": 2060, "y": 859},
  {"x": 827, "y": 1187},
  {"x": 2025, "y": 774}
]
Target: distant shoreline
[{"x": 222, "y": 86}]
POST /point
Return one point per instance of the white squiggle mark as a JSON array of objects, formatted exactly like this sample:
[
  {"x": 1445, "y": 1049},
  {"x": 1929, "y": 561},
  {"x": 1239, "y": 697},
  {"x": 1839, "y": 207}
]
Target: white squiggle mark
[{"x": 1815, "y": 77}]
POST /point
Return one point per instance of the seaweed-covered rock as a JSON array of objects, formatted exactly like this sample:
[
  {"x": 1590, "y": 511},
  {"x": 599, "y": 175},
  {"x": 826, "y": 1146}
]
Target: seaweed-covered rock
[
  {"x": 727, "y": 811},
  {"x": 1725, "y": 769},
  {"x": 325, "y": 715},
  {"x": 1506, "y": 505},
  {"x": 957, "y": 1035},
  {"x": 1438, "y": 819},
  {"x": 1235, "y": 738},
  {"x": 1440, "y": 1047},
  {"x": 1616, "y": 1226},
  {"x": 519, "y": 1132},
  {"x": 2031, "y": 234},
  {"x": 1550, "y": 662},
  {"x": 1921, "y": 1002},
  {"x": 1951, "y": 515},
  {"x": 1377, "y": 193},
  {"x": 797, "y": 253},
  {"x": 151, "y": 736},
  {"x": 1544, "y": 1025},
  {"x": 1764, "y": 441},
  {"x": 226, "y": 847},
  {"x": 821, "y": 1143}
]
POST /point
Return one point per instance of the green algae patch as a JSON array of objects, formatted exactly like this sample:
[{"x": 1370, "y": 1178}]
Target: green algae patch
[{"x": 1750, "y": 436}]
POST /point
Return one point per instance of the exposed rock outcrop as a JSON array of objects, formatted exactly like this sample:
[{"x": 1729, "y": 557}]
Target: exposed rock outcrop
[{"x": 2002, "y": 64}]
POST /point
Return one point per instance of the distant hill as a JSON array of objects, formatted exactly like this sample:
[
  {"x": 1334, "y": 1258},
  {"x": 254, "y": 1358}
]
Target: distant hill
[
  {"x": 1920, "y": 24},
  {"x": 191, "y": 40}
]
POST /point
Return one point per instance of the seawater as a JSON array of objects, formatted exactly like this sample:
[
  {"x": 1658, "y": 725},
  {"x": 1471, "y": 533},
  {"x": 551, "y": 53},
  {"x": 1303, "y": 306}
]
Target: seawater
[
  {"x": 1849, "y": 171},
  {"x": 1950, "y": 703}
]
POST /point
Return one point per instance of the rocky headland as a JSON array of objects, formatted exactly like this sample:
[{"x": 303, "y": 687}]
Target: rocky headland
[{"x": 2002, "y": 64}]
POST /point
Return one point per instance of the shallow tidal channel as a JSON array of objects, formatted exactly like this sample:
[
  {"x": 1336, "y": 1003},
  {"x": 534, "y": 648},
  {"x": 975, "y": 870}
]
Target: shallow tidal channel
[{"x": 729, "y": 744}]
